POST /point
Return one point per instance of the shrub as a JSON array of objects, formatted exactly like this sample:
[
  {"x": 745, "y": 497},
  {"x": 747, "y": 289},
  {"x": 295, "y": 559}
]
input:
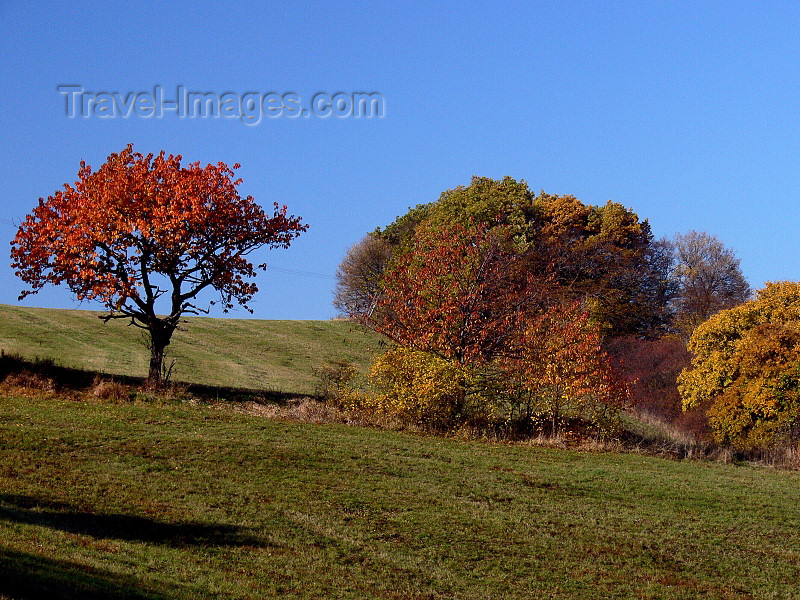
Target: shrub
[
  {"x": 653, "y": 366},
  {"x": 334, "y": 380},
  {"x": 558, "y": 360},
  {"x": 420, "y": 388},
  {"x": 746, "y": 367}
]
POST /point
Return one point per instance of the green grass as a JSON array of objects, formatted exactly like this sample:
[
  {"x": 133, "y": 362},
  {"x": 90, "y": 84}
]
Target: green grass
[
  {"x": 178, "y": 501},
  {"x": 247, "y": 353}
]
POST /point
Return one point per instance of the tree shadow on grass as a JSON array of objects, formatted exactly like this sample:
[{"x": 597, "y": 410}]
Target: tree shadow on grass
[
  {"x": 26, "y": 576},
  {"x": 63, "y": 517},
  {"x": 80, "y": 380}
]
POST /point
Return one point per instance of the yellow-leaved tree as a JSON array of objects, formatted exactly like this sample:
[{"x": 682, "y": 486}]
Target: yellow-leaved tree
[{"x": 746, "y": 368}]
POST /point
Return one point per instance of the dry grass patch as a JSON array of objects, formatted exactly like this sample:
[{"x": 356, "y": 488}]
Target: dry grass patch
[
  {"x": 305, "y": 410},
  {"x": 110, "y": 390},
  {"x": 26, "y": 382}
]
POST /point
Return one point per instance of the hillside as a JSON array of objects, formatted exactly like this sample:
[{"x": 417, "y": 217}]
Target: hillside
[
  {"x": 143, "y": 501},
  {"x": 190, "y": 500},
  {"x": 250, "y": 353}
]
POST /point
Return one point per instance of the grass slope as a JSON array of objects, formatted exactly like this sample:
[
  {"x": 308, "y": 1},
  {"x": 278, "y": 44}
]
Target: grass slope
[
  {"x": 273, "y": 355},
  {"x": 141, "y": 501}
]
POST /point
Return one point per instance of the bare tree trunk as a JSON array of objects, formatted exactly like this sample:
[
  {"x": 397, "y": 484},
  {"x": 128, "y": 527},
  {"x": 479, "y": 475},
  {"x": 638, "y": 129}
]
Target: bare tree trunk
[
  {"x": 555, "y": 418},
  {"x": 160, "y": 335}
]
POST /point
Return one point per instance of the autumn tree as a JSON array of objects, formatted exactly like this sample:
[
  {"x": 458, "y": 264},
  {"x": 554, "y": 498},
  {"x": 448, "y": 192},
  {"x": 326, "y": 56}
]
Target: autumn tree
[
  {"x": 462, "y": 306},
  {"x": 708, "y": 277},
  {"x": 606, "y": 258},
  {"x": 144, "y": 233},
  {"x": 558, "y": 360},
  {"x": 359, "y": 274},
  {"x": 603, "y": 256},
  {"x": 456, "y": 292},
  {"x": 746, "y": 369},
  {"x": 451, "y": 300}
]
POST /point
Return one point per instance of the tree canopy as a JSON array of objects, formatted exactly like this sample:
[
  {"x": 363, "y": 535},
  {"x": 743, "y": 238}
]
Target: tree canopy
[
  {"x": 463, "y": 306},
  {"x": 456, "y": 292},
  {"x": 746, "y": 368},
  {"x": 603, "y": 256},
  {"x": 143, "y": 228},
  {"x": 708, "y": 279}
]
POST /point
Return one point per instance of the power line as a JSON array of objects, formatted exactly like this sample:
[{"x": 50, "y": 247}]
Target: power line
[{"x": 299, "y": 272}]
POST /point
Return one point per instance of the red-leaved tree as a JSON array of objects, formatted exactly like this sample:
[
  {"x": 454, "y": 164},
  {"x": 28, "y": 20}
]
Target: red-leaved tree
[
  {"x": 458, "y": 292},
  {"x": 142, "y": 228},
  {"x": 558, "y": 359},
  {"x": 464, "y": 295}
]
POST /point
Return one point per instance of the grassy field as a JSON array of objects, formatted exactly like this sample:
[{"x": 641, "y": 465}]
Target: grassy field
[
  {"x": 180, "y": 501},
  {"x": 248, "y": 353}
]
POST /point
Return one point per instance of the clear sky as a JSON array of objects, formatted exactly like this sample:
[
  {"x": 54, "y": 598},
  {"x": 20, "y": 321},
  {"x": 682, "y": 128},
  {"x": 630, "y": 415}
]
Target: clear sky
[{"x": 687, "y": 112}]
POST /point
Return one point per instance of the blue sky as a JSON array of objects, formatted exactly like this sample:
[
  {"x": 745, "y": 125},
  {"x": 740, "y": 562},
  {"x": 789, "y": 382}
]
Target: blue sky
[{"x": 687, "y": 112}]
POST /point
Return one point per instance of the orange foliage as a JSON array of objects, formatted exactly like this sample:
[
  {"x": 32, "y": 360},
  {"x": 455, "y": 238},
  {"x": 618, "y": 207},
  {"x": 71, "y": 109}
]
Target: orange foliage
[
  {"x": 464, "y": 295},
  {"x": 558, "y": 359},
  {"x": 762, "y": 404},
  {"x": 139, "y": 215},
  {"x": 143, "y": 227},
  {"x": 458, "y": 293},
  {"x": 746, "y": 366}
]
